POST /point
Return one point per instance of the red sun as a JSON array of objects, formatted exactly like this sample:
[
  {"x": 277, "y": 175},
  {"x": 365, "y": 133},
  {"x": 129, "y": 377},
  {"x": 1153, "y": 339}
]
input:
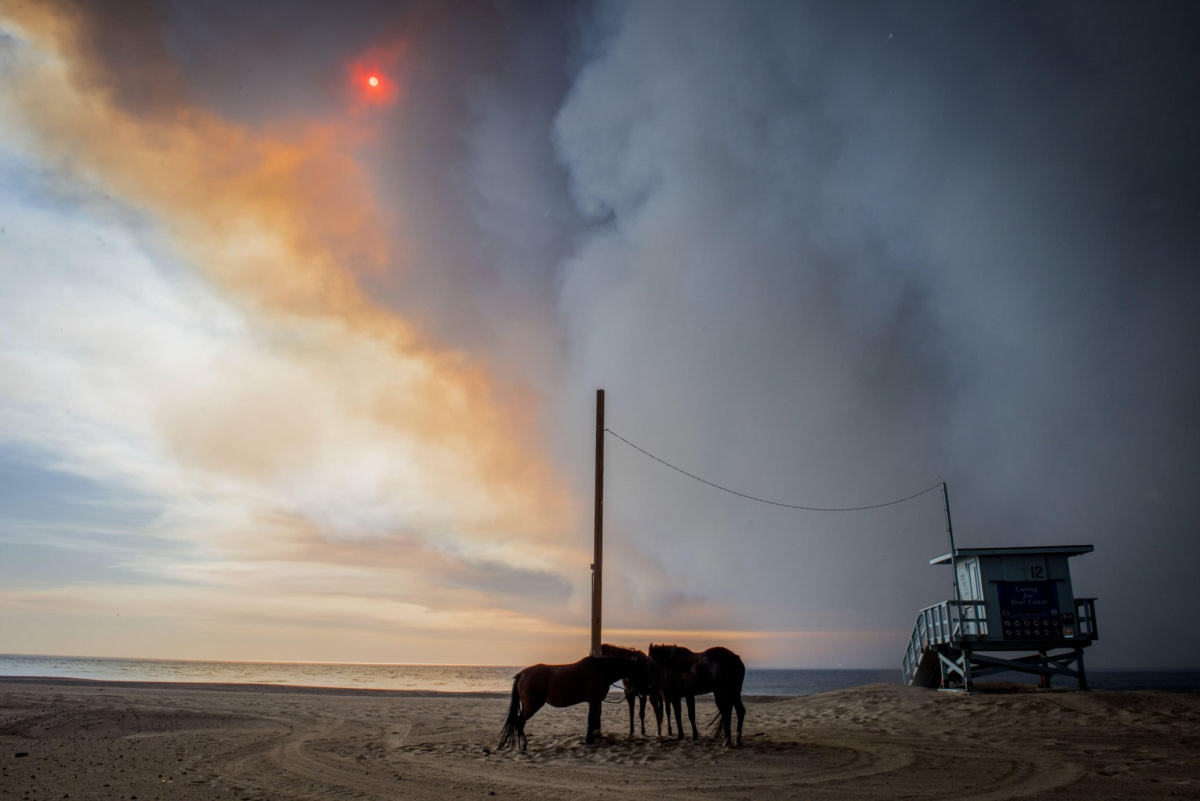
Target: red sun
[
  {"x": 373, "y": 84},
  {"x": 375, "y": 79}
]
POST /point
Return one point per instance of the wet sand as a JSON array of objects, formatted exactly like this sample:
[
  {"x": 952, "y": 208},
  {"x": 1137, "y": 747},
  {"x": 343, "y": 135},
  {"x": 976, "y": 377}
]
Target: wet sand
[{"x": 61, "y": 738}]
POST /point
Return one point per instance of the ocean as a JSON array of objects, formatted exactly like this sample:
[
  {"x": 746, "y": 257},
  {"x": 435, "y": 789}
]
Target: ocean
[{"x": 486, "y": 678}]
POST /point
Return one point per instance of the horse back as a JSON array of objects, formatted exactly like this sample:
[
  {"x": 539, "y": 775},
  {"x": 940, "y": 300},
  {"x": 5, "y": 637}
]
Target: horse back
[
  {"x": 716, "y": 670},
  {"x": 724, "y": 668},
  {"x": 567, "y": 685}
]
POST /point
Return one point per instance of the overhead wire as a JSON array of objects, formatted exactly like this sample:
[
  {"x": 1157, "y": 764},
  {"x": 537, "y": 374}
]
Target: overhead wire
[{"x": 764, "y": 500}]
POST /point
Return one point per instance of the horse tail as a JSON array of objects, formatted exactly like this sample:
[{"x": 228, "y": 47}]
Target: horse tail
[
  {"x": 716, "y": 730},
  {"x": 514, "y": 715}
]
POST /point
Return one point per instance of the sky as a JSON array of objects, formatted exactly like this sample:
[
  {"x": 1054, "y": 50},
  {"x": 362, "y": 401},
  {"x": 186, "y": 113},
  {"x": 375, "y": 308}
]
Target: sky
[{"x": 294, "y": 367}]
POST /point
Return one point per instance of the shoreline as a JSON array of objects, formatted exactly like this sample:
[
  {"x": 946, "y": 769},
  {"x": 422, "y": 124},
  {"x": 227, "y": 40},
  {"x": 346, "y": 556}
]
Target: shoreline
[
  {"x": 986, "y": 688},
  {"x": 299, "y": 689}
]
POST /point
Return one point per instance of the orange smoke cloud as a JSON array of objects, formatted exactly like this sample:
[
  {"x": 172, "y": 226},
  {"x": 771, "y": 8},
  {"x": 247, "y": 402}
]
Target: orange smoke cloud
[{"x": 282, "y": 218}]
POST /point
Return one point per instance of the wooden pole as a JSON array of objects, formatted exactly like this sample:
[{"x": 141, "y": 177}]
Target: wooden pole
[{"x": 598, "y": 554}]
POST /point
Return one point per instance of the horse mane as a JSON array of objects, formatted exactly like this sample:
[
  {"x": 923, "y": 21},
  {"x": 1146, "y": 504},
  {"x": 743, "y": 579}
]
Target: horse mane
[
  {"x": 675, "y": 651},
  {"x": 620, "y": 651}
]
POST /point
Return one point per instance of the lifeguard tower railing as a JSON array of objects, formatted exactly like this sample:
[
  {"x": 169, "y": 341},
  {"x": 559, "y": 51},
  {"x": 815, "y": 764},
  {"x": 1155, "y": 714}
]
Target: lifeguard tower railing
[{"x": 959, "y": 625}]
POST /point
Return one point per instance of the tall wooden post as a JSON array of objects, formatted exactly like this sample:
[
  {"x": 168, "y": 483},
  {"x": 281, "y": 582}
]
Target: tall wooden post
[{"x": 598, "y": 554}]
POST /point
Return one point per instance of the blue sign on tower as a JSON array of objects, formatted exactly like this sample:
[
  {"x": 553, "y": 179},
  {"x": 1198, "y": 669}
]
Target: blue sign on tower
[{"x": 1029, "y": 610}]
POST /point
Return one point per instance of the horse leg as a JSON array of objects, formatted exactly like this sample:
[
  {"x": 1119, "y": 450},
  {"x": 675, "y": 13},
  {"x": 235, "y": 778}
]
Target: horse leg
[
  {"x": 657, "y": 705},
  {"x": 593, "y": 721},
  {"x": 631, "y": 700},
  {"x": 641, "y": 714},
  {"x": 527, "y": 711},
  {"x": 691, "y": 703},
  {"x": 678, "y": 718},
  {"x": 741, "y": 710}
]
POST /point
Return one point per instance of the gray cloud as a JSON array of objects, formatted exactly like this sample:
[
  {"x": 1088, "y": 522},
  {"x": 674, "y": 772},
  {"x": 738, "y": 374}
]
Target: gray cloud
[{"x": 840, "y": 253}]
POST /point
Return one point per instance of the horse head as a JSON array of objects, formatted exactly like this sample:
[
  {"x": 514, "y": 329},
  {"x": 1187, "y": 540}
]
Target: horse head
[{"x": 644, "y": 675}]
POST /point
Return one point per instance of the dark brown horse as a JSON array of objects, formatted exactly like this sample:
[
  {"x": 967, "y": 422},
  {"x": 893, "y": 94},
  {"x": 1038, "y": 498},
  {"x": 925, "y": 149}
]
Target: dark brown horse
[
  {"x": 566, "y": 685},
  {"x": 635, "y": 693},
  {"x": 686, "y": 674}
]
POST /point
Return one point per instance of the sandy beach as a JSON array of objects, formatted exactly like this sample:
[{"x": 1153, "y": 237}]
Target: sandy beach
[{"x": 79, "y": 739}]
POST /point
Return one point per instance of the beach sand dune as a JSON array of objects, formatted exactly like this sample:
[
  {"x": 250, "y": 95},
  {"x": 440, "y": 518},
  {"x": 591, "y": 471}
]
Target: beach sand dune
[{"x": 74, "y": 739}]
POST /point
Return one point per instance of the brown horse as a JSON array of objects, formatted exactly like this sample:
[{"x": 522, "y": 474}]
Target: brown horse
[
  {"x": 686, "y": 674},
  {"x": 634, "y": 693},
  {"x": 567, "y": 685}
]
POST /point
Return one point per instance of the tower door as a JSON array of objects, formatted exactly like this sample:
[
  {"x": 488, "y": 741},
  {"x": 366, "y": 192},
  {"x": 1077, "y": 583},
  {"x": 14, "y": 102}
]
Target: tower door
[{"x": 970, "y": 589}]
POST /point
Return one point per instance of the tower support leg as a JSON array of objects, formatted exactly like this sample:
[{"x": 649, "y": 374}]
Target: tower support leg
[{"x": 1044, "y": 678}]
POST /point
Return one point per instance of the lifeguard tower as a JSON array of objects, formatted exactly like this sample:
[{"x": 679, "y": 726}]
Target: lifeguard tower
[{"x": 1007, "y": 600}]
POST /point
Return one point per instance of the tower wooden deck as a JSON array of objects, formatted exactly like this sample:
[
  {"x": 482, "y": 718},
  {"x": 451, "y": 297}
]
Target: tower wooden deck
[{"x": 1010, "y": 601}]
